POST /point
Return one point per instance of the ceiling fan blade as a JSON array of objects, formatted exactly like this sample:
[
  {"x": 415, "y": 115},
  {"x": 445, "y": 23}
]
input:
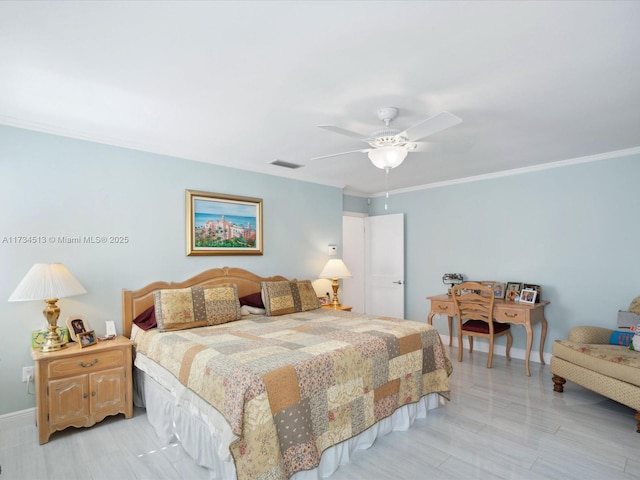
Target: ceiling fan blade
[
  {"x": 366, "y": 150},
  {"x": 343, "y": 131},
  {"x": 435, "y": 124}
]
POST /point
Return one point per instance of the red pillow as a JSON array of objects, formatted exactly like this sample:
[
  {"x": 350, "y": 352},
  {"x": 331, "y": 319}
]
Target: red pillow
[
  {"x": 147, "y": 319},
  {"x": 252, "y": 300}
]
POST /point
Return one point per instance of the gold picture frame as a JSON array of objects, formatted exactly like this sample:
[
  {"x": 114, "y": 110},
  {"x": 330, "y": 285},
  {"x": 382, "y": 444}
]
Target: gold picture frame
[
  {"x": 86, "y": 339},
  {"x": 220, "y": 224}
]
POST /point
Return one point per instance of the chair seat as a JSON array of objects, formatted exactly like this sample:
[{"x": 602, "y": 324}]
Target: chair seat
[{"x": 478, "y": 326}]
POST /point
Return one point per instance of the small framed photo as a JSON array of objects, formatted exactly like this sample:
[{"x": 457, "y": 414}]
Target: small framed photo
[
  {"x": 76, "y": 324},
  {"x": 512, "y": 291},
  {"x": 528, "y": 295},
  {"x": 531, "y": 286},
  {"x": 323, "y": 300},
  {"x": 86, "y": 339},
  {"x": 498, "y": 290}
]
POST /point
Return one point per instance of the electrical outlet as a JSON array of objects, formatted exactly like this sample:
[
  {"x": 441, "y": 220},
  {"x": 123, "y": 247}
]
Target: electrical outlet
[{"x": 27, "y": 373}]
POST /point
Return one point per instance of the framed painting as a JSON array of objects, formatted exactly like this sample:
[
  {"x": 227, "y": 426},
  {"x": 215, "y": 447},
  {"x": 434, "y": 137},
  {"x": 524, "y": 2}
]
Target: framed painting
[{"x": 219, "y": 224}]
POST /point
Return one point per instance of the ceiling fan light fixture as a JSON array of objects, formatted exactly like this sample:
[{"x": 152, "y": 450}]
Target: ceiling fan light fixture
[{"x": 387, "y": 157}]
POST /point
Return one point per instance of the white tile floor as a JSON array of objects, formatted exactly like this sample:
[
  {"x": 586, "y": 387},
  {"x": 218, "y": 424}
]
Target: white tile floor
[{"x": 499, "y": 424}]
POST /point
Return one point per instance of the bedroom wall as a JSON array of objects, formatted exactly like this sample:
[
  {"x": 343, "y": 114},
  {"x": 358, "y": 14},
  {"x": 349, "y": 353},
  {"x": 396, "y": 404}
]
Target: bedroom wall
[
  {"x": 573, "y": 230},
  {"x": 53, "y": 186}
]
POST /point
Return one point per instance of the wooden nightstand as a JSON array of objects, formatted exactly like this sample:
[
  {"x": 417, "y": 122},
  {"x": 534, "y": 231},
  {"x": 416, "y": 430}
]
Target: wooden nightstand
[
  {"x": 341, "y": 307},
  {"x": 81, "y": 386}
]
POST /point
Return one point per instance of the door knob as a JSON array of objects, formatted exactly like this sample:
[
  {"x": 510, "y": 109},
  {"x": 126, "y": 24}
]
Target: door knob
[{"x": 399, "y": 282}]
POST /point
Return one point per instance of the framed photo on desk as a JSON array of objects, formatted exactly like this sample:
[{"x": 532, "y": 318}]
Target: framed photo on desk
[
  {"x": 512, "y": 291},
  {"x": 531, "y": 286},
  {"x": 528, "y": 295},
  {"x": 499, "y": 289}
]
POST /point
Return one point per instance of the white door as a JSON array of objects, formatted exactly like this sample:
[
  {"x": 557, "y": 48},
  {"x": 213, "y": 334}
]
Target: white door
[
  {"x": 384, "y": 260},
  {"x": 352, "y": 291}
]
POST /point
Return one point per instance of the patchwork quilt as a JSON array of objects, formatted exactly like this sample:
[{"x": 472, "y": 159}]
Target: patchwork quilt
[{"x": 294, "y": 385}]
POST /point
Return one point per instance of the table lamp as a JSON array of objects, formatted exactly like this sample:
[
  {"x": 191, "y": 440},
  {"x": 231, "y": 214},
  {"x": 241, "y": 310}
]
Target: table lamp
[
  {"x": 48, "y": 282},
  {"x": 335, "y": 269}
]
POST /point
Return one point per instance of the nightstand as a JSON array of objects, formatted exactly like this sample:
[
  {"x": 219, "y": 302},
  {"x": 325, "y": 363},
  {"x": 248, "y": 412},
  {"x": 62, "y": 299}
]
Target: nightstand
[
  {"x": 341, "y": 307},
  {"x": 81, "y": 386}
]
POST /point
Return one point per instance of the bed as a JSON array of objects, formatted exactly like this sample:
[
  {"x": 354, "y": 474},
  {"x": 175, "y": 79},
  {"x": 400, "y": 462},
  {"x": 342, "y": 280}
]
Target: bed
[{"x": 288, "y": 393}]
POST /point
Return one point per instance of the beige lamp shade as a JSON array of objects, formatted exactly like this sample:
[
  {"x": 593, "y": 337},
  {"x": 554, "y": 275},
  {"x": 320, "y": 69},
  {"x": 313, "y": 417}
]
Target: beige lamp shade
[
  {"x": 335, "y": 268},
  {"x": 48, "y": 282}
]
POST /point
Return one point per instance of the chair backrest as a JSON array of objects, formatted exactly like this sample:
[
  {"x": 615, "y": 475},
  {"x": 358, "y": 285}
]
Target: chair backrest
[{"x": 473, "y": 301}]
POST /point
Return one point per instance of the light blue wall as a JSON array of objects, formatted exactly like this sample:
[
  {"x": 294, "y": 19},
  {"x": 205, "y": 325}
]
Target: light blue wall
[
  {"x": 355, "y": 204},
  {"x": 573, "y": 230},
  {"x": 52, "y": 186}
]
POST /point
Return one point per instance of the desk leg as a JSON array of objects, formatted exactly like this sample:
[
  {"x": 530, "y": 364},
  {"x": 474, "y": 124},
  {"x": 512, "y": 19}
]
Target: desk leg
[
  {"x": 527, "y": 327},
  {"x": 543, "y": 336},
  {"x": 449, "y": 320}
]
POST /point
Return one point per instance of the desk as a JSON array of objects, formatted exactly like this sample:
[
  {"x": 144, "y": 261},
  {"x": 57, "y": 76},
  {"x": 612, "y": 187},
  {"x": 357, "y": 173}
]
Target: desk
[{"x": 504, "y": 312}]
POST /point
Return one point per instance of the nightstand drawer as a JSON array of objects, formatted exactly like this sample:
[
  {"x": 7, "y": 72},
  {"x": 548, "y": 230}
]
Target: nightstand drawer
[{"x": 85, "y": 363}]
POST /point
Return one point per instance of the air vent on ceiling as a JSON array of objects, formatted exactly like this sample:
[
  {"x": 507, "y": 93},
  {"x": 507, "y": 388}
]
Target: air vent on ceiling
[{"x": 281, "y": 163}]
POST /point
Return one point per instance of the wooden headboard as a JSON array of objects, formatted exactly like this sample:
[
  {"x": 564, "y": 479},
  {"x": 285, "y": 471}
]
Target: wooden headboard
[{"x": 134, "y": 302}]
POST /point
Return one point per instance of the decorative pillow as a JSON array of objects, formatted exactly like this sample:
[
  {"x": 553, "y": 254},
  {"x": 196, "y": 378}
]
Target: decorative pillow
[
  {"x": 284, "y": 297},
  {"x": 147, "y": 319},
  {"x": 252, "y": 300},
  {"x": 183, "y": 308}
]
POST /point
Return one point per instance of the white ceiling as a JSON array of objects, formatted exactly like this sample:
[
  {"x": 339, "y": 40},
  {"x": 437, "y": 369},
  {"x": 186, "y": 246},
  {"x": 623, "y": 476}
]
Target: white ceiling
[{"x": 243, "y": 84}]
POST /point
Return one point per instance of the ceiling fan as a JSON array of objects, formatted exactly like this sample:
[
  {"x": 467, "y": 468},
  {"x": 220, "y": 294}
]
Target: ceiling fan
[{"x": 390, "y": 146}]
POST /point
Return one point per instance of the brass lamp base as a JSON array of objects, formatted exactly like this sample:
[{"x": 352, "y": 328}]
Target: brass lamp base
[
  {"x": 52, "y": 341},
  {"x": 336, "y": 301}
]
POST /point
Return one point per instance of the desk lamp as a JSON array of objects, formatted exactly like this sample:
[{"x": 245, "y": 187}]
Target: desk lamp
[{"x": 48, "y": 282}]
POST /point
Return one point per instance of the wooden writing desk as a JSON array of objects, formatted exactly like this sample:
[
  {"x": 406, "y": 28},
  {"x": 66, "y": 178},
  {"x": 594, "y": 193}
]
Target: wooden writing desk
[{"x": 504, "y": 312}]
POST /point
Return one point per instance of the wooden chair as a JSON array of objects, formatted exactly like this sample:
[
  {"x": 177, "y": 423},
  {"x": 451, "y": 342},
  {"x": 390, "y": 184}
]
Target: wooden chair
[{"x": 474, "y": 310}]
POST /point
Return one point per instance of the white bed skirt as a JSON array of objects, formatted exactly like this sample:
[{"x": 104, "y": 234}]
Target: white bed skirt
[{"x": 177, "y": 414}]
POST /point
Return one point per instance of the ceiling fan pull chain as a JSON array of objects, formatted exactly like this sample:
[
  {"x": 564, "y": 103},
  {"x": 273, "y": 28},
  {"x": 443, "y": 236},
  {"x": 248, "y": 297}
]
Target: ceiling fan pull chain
[{"x": 386, "y": 185}]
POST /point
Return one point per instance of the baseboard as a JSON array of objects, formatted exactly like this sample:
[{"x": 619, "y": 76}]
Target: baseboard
[
  {"x": 20, "y": 418},
  {"x": 501, "y": 350}
]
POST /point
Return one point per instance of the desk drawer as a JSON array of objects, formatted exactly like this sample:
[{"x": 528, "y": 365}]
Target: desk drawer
[
  {"x": 511, "y": 315},
  {"x": 444, "y": 308}
]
